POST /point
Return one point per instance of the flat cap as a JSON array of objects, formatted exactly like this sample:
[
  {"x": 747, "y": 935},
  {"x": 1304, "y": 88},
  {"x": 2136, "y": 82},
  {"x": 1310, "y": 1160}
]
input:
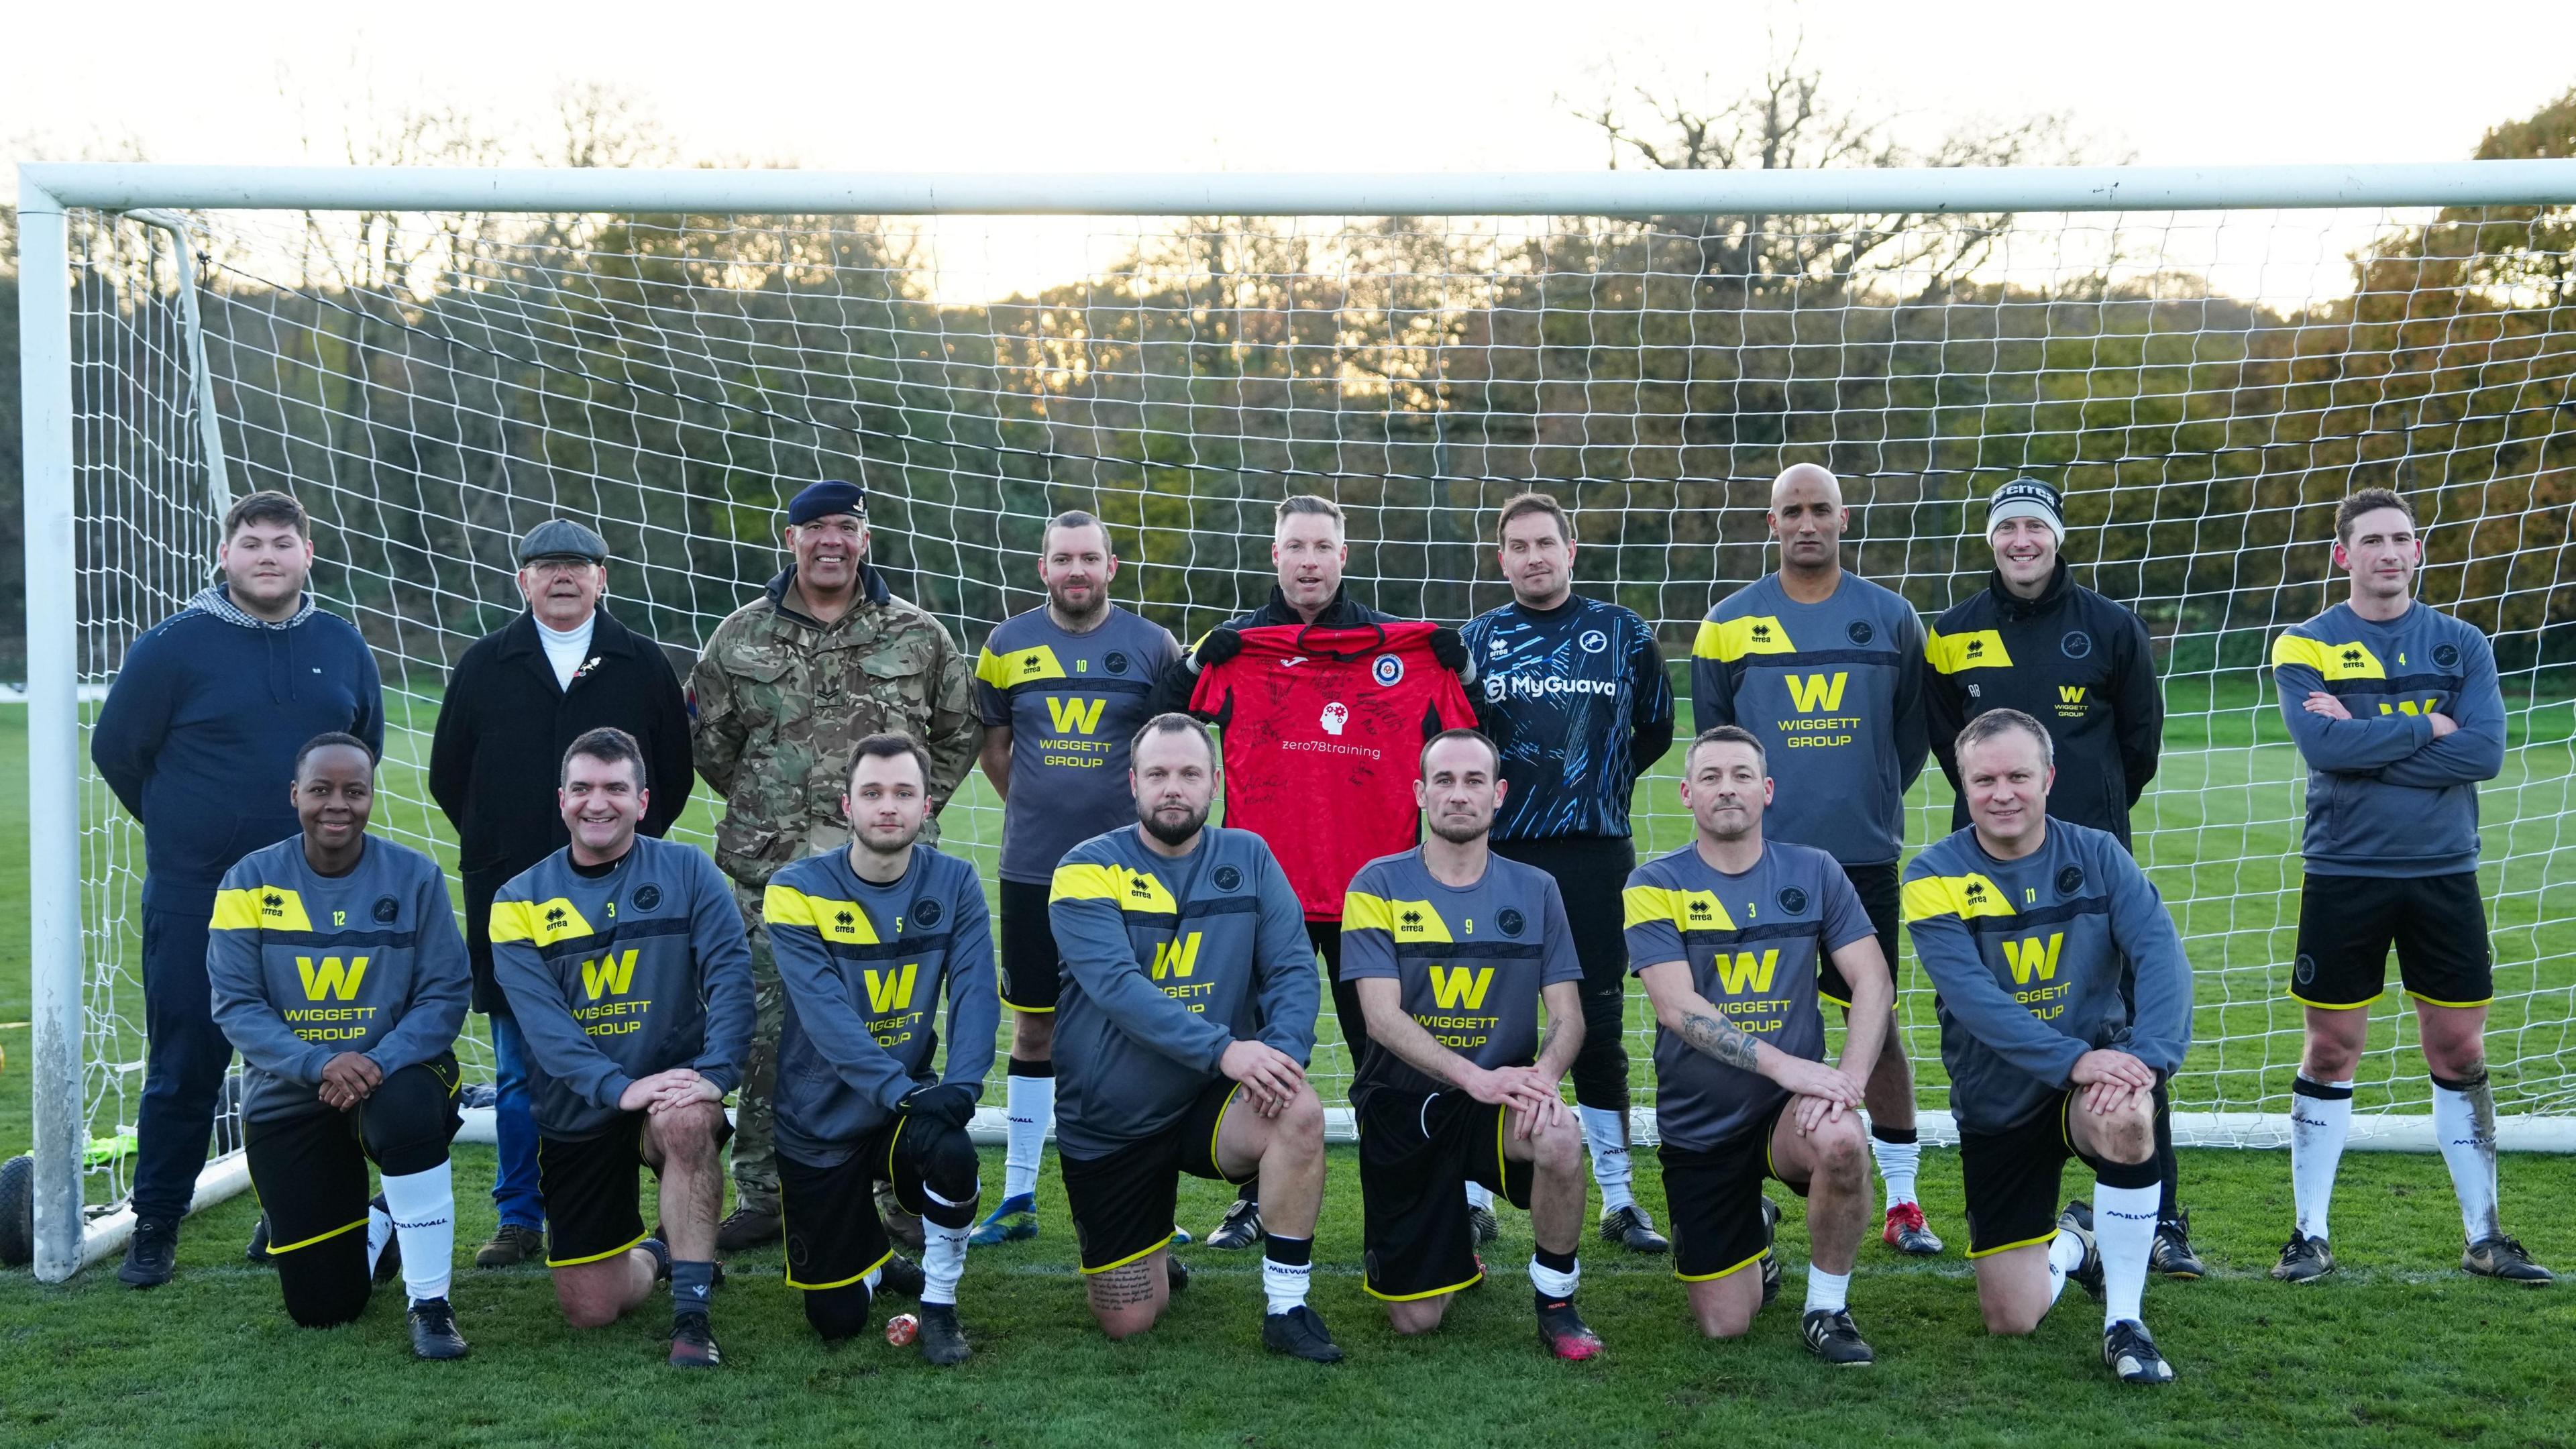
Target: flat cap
[
  {"x": 562, "y": 538},
  {"x": 822, "y": 500}
]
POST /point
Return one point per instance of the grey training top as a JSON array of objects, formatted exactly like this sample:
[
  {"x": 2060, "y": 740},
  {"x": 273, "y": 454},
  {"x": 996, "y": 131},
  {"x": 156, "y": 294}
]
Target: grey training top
[
  {"x": 305, "y": 966},
  {"x": 1072, "y": 702},
  {"x": 863, "y": 967}
]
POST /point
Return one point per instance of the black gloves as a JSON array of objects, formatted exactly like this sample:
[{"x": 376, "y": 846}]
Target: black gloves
[
  {"x": 952, "y": 1103},
  {"x": 1449, "y": 649},
  {"x": 1222, "y": 644}
]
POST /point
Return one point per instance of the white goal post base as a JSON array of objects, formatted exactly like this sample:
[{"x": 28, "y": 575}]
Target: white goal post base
[
  {"x": 2410, "y": 1132},
  {"x": 226, "y": 1177}
]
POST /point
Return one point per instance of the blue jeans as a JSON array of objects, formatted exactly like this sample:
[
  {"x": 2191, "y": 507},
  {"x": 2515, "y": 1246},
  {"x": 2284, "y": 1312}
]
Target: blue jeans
[
  {"x": 514, "y": 1122},
  {"x": 185, "y": 1055}
]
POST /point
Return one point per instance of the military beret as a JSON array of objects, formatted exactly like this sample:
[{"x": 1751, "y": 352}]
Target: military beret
[{"x": 822, "y": 500}]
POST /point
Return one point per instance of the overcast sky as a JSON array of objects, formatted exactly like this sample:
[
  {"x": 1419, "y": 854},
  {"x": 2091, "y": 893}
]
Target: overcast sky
[{"x": 1384, "y": 85}]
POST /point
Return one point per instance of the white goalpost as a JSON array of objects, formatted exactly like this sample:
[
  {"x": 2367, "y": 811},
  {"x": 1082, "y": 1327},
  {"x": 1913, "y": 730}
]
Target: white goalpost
[{"x": 2203, "y": 359}]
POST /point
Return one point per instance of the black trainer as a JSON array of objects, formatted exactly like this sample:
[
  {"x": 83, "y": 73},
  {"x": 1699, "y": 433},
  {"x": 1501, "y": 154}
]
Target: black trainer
[
  {"x": 433, "y": 1330},
  {"x": 1298, "y": 1333},
  {"x": 693, "y": 1344},
  {"x": 1770, "y": 1259},
  {"x": 2504, "y": 1258},
  {"x": 1175, "y": 1273},
  {"x": 2303, "y": 1259},
  {"x": 2087, "y": 1274},
  {"x": 151, "y": 1255},
  {"x": 1241, "y": 1228},
  {"x": 900, "y": 1275},
  {"x": 2172, "y": 1256},
  {"x": 257, "y": 1254},
  {"x": 1630, "y": 1228},
  {"x": 1831, "y": 1337},
  {"x": 1487, "y": 1227},
  {"x": 943, "y": 1339},
  {"x": 1563, "y": 1333},
  {"x": 2131, "y": 1355}
]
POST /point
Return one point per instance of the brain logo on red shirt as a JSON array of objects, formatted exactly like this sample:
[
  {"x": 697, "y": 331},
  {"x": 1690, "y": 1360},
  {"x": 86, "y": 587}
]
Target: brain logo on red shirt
[{"x": 1336, "y": 715}]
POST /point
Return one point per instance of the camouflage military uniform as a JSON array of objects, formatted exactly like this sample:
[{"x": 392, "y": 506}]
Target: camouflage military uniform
[{"x": 776, "y": 702}]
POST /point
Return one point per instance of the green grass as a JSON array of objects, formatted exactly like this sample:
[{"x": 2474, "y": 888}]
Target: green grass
[{"x": 2399, "y": 1348}]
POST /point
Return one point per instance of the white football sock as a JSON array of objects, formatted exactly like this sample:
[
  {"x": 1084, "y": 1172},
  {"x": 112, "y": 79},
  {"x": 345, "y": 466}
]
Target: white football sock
[
  {"x": 2065, "y": 1255},
  {"x": 1827, "y": 1292},
  {"x": 1284, "y": 1284},
  {"x": 1479, "y": 1195},
  {"x": 1606, "y": 1133},
  {"x": 2320, "y": 1118},
  {"x": 2124, "y": 1227},
  {"x": 1030, "y": 1104},
  {"x": 424, "y": 1213},
  {"x": 1897, "y": 1164},
  {"x": 1553, "y": 1284},
  {"x": 2464, "y": 1123},
  {"x": 943, "y": 1261}
]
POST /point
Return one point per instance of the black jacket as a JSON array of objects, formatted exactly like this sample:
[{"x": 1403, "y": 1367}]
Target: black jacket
[
  {"x": 1172, "y": 691},
  {"x": 501, "y": 736},
  {"x": 2072, "y": 659}
]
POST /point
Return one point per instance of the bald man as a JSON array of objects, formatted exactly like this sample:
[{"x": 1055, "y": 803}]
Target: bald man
[{"x": 1826, "y": 669}]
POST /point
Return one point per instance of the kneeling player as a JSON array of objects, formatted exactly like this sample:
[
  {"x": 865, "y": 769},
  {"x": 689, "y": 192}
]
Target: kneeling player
[
  {"x": 2029, "y": 927},
  {"x": 339, "y": 976},
  {"x": 626, "y": 967},
  {"x": 1182, "y": 1033},
  {"x": 1453, "y": 948},
  {"x": 866, "y": 939},
  {"x": 1742, "y": 1092}
]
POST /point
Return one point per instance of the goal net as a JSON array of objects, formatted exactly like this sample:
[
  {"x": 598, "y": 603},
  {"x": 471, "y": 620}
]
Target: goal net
[{"x": 2202, "y": 384}]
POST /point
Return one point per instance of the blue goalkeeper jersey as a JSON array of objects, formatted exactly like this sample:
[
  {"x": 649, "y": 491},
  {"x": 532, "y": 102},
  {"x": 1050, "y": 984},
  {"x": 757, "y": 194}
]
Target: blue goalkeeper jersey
[{"x": 1576, "y": 699}]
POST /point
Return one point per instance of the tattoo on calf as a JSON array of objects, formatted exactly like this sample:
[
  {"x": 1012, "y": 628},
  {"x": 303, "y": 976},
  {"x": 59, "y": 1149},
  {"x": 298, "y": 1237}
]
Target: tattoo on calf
[
  {"x": 1719, "y": 1039},
  {"x": 1123, "y": 1287}
]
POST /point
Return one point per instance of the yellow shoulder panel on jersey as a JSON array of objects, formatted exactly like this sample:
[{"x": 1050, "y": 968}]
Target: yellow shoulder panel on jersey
[
  {"x": 1964, "y": 896},
  {"x": 842, "y": 921},
  {"x": 1683, "y": 910},
  {"x": 1977, "y": 649},
  {"x": 1018, "y": 667},
  {"x": 267, "y": 907},
  {"x": 539, "y": 923},
  {"x": 1727, "y": 640},
  {"x": 2334, "y": 661},
  {"x": 1416, "y": 921},
  {"x": 1132, "y": 890}
]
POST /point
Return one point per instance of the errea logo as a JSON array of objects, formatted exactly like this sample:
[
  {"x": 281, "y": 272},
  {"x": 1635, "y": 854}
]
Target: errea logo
[
  {"x": 1699, "y": 910},
  {"x": 2352, "y": 657}
]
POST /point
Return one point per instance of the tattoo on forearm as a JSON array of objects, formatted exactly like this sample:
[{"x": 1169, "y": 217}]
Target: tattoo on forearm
[
  {"x": 1718, "y": 1039},
  {"x": 1123, "y": 1287}
]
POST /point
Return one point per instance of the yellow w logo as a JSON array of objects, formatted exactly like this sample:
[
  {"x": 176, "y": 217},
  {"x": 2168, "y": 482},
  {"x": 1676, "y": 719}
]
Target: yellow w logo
[
  {"x": 892, "y": 990},
  {"x": 609, "y": 974},
  {"x": 329, "y": 979},
  {"x": 2033, "y": 957},
  {"x": 1461, "y": 986},
  {"x": 2070, "y": 693},
  {"x": 1812, "y": 692},
  {"x": 1075, "y": 716},
  {"x": 1744, "y": 972},
  {"x": 2408, "y": 706},
  {"x": 1176, "y": 958}
]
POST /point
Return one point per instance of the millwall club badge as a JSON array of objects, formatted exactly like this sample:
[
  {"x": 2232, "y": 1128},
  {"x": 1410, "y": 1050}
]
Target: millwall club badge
[
  {"x": 387, "y": 908},
  {"x": 1593, "y": 641},
  {"x": 926, "y": 913},
  {"x": 1387, "y": 670}
]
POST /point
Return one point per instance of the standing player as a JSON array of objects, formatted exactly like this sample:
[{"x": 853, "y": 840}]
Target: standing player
[
  {"x": 1189, "y": 994},
  {"x": 1742, "y": 1092},
  {"x": 1826, "y": 669},
  {"x": 624, "y": 962},
  {"x": 2065, "y": 1005},
  {"x": 1576, "y": 699},
  {"x": 1061, "y": 689},
  {"x": 786, "y": 685},
  {"x": 2396, "y": 709},
  {"x": 867, "y": 939},
  {"x": 1309, "y": 549},
  {"x": 338, "y": 974},
  {"x": 226, "y": 690},
  {"x": 1453, "y": 949},
  {"x": 2037, "y": 641}
]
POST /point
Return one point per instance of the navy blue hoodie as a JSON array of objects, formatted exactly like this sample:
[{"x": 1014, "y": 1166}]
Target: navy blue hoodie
[{"x": 199, "y": 733}]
